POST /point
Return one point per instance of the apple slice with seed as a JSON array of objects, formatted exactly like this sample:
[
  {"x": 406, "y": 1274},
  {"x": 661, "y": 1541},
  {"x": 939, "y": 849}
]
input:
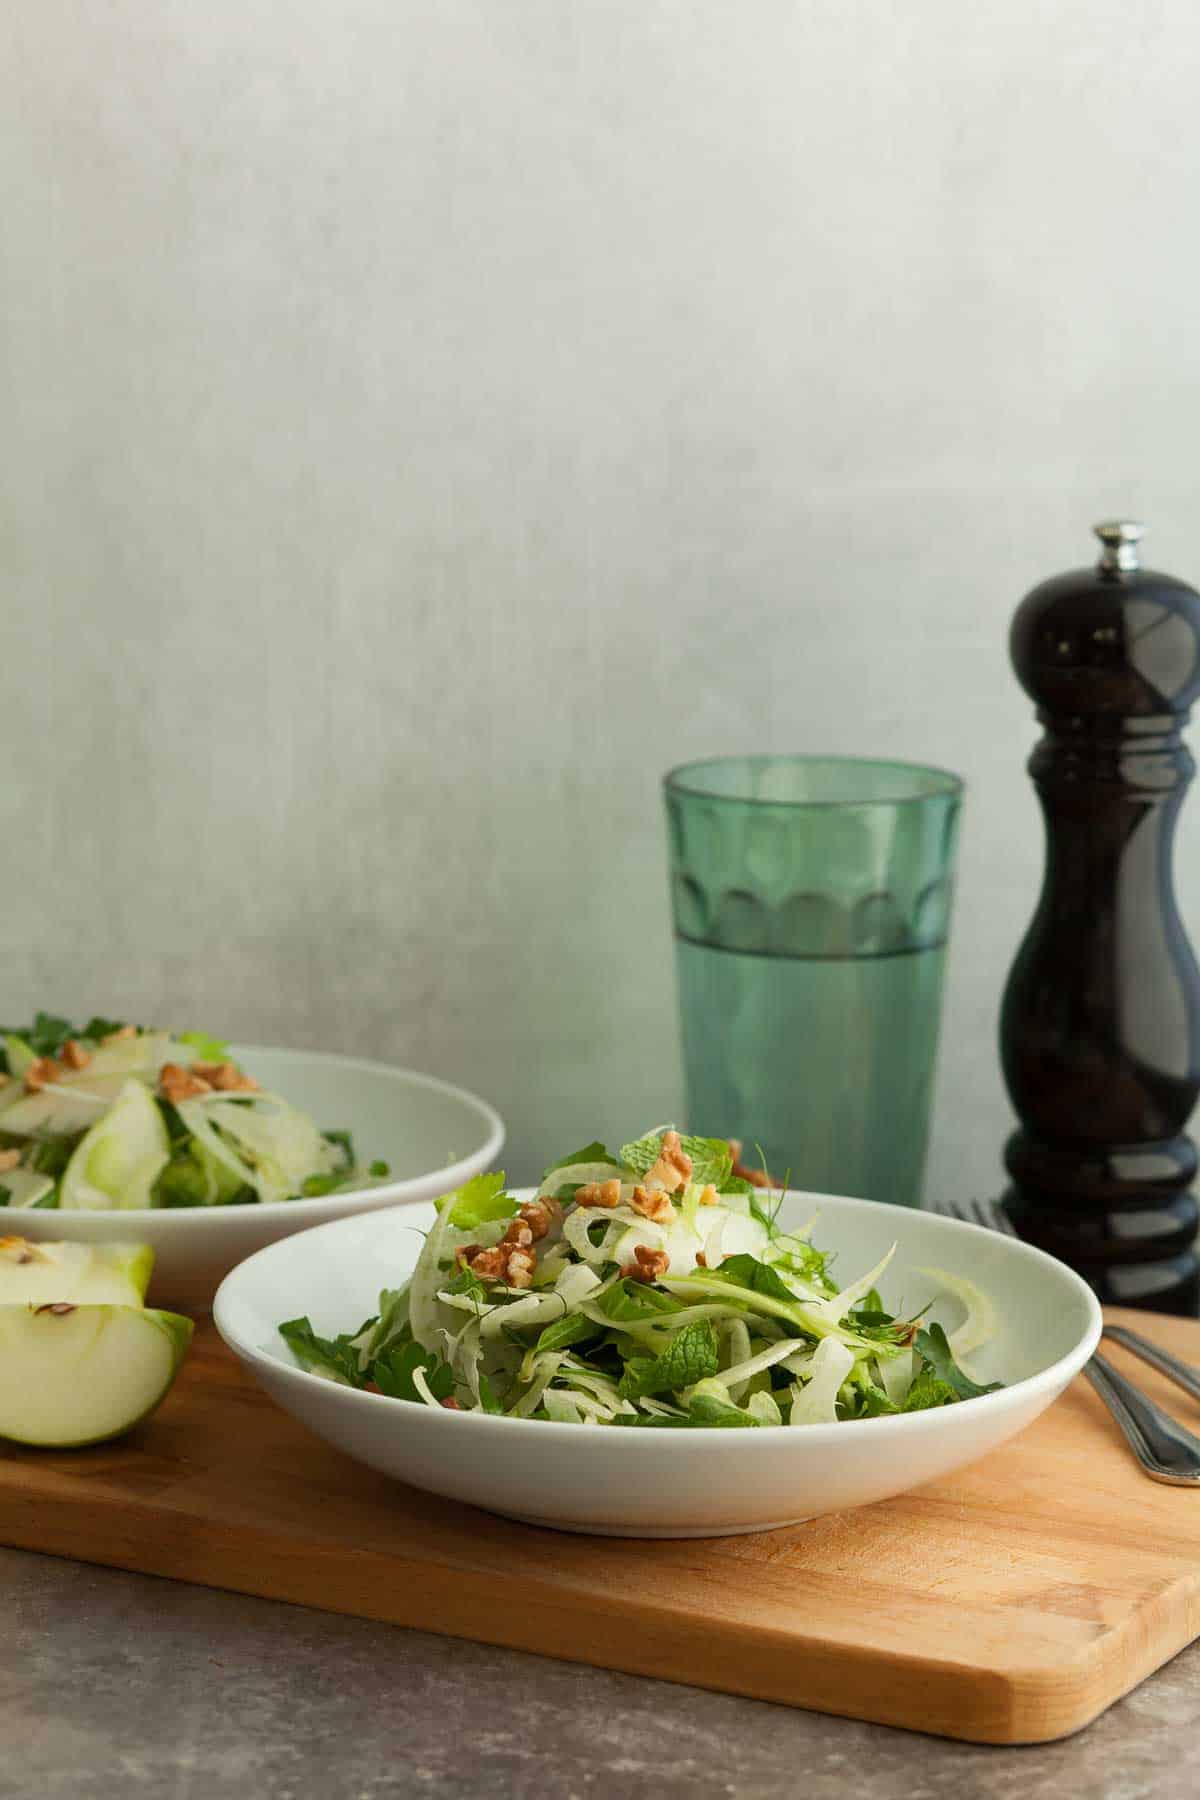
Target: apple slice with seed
[
  {"x": 73, "y": 1375},
  {"x": 36, "y": 1274}
]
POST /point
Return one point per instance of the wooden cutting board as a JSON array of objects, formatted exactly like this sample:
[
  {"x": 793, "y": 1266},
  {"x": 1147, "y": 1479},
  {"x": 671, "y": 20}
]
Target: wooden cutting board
[{"x": 1007, "y": 1604}]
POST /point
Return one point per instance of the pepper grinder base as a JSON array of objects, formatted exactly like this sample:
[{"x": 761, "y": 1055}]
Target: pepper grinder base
[{"x": 1102, "y": 1247}]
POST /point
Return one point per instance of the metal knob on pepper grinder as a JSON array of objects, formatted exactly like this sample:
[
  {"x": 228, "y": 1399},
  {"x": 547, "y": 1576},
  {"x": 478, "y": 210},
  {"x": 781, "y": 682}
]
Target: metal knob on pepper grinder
[{"x": 1100, "y": 1028}]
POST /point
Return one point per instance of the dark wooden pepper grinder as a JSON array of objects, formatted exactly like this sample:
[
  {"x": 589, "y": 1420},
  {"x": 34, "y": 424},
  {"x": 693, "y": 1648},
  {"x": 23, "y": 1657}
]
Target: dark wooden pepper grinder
[{"x": 1100, "y": 1028}]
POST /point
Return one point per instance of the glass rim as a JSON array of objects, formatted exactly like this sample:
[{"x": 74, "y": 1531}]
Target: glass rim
[{"x": 947, "y": 785}]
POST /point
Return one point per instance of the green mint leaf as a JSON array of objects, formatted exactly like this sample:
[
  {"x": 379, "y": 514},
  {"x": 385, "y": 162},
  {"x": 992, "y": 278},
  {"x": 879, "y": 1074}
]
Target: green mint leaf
[
  {"x": 98, "y": 1028},
  {"x": 330, "y": 1356},
  {"x": 393, "y": 1373},
  {"x": 933, "y": 1346},
  {"x": 690, "y": 1357},
  {"x": 591, "y": 1153},
  {"x": 208, "y": 1049},
  {"x": 759, "y": 1277},
  {"x": 572, "y": 1329},
  {"x": 343, "y": 1141},
  {"x": 478, "y": 1200},
  {"x": 52, "y": 1155},
  {"x": 48, "y": 1034},
  {"x": 632, "y": 1300},
  {"x": 712, "y": 1162},
  {"x": 487, "y": 1396},
  {"x": 5, "y": 1194}
]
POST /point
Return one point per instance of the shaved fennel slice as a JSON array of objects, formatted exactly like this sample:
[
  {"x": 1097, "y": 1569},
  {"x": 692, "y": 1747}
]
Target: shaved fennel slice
[
  {"x": 428, "y": 1278},
  {"x": 835, "y": 1308},
  {"x": 421, "y": 1383},
  {"x": 738, "y": 1333},
  {"x": 816, "y": 1402},
  {"x": 530, "y": 1309},
  {"x": 478, "y": 1309},
  {"x": 283, "y": 1145},
  {"x": 268, "y": 1144},
  {"x": 979, "y": 1324},
  {"x": 561, "y": 1407},
  {"x": 765, "y": 1408},
  {"x": 766, "y": 1359},
  {"x": 575, "y": 1283},
  {"x": 545, "y": 1367},
  {"x": 896, "y": 1375},
  {"x": 575, "y": 1231},
  {"x": 579, "y": 1175}
]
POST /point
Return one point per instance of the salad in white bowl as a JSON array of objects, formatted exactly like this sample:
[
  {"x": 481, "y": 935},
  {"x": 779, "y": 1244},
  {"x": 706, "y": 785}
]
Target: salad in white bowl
[
  {"x": 491, "y": 1369},
  {"x": 112, "y": 1116},
  {"x": 647, "y": 1287},
  {"x": 207, "y": 1151}
]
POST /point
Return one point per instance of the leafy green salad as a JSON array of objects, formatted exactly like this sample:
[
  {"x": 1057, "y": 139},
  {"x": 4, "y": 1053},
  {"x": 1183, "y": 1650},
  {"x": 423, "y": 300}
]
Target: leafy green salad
[
  {"x": 109, "y": 1116},
  {"x": 650, "y": 1287}
]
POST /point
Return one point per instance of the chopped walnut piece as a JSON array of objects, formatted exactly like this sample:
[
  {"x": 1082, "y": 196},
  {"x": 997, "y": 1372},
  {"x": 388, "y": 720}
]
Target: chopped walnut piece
[
  {"x": 177, "y": 1083},
  {"x": 647, "y": 1264},
  {"x": 540, "y": 1215},
  {"x": 599, "y": 1193},
  {"x": 120, "y": 1034},
  {"x": 226, "y": 1077},
  {"x": 709, "y": 1196},
  {"x": 756, "y": 1177},
  {"x": 521, "y": 1265},
  {"x": 512, "y": 1264},
  {"x": 9, "y": 1160},
  {"x": 518, "y": 1233},
  {"x": 40, "y": 1072},
  {"x": 672, "y": 1167},
  {"x": 74, "y": 1055},
  {"x": 656, "y": 1205}
]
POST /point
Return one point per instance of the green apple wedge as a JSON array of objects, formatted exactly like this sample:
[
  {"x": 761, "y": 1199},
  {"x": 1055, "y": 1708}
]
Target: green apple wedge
[
  {"x": 116, "y": 1164},
  {"x": 76, "y": 1375},
  {"x": 38, "y": 1274}
]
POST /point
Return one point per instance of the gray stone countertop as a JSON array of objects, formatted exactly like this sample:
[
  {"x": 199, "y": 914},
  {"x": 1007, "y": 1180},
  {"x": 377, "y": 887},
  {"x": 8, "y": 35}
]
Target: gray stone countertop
[{"x": 115, "y": 1686}]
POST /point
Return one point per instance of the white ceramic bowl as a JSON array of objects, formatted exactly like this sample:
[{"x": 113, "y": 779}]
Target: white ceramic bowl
[
  {"x": 670, "y": 1483},
  {"x": 432, "y": 1136}
]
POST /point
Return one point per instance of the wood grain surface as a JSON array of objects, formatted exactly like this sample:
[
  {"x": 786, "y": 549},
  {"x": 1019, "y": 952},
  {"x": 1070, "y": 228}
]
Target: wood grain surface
[{"x": 1010, "y": 1603}]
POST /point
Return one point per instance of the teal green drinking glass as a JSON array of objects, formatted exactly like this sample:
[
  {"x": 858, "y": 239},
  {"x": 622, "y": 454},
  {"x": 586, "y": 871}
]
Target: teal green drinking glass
[{"x": 811, "y": 900}]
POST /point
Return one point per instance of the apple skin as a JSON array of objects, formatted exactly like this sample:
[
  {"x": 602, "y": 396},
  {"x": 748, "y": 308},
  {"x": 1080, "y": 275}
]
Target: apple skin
[{"x": 48, "y": 1352}]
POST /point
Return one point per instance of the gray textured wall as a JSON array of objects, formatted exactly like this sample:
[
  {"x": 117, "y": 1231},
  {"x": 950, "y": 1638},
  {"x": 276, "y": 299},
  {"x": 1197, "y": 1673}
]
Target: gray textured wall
[{"x": 426, "y": 420}]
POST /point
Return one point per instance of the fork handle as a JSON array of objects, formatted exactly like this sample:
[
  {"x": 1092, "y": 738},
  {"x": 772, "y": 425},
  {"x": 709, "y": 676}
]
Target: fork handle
[
  {"x": 1179, "y": 1372},
  {"x": 1165, "y": 1450}
]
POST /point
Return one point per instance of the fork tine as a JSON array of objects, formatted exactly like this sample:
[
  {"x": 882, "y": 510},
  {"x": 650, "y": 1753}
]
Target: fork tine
[
  {"x": 988, "y": 1213},
  {"x": 992, "y": 1214}
]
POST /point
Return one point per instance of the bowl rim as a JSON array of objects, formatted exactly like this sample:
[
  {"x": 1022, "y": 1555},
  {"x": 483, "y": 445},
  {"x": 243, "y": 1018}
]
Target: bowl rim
[
  {"x": 1065, "y": 1366},
  {"x": 317, "y": 1206}
]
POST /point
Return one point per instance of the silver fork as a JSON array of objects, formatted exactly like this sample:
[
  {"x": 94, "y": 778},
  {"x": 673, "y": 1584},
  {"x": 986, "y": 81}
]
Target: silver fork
[{"x": 1166, "y": 1451}]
